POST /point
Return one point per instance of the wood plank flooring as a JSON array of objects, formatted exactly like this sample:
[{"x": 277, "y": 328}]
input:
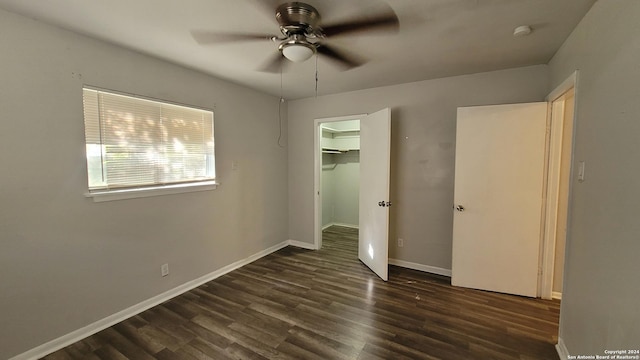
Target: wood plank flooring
[{"x": 302, "y": 304}]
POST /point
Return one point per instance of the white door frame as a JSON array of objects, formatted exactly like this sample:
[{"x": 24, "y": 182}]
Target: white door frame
[
  {"x": 317, "y": 173},
  {"x": 550, "y": 207}
]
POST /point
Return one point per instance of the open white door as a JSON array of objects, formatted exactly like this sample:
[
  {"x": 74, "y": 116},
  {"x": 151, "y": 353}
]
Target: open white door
[
  {"x": 498, "y": 197},
  {"x": 375, "y": 149}
]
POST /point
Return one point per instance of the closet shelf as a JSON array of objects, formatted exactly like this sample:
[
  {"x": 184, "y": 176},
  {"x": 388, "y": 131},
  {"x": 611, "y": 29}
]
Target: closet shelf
[
  {"x": 337, "y": 151},
  {"x": 340, "y": 131}
]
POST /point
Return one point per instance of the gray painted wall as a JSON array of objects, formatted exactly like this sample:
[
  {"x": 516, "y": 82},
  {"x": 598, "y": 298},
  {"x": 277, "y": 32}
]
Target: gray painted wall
[
  {"x": 66, "y": 261},
  {"x": 423, "y": 149},
  {"x": 600, "y": 299}
]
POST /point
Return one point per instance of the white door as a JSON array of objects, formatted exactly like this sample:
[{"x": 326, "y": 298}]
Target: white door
[
  {"x": 498, "y": 197},
  {"x": 375, "y": 148}
]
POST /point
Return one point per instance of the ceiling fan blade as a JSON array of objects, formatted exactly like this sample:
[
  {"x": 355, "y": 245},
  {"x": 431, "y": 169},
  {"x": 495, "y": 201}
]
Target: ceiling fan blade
[
  {"x": 386, "y": 21},
  {"x": 274, "y": 65},
  {"x": 347, "y": 61},
  {"x": 208, "y": 37}
]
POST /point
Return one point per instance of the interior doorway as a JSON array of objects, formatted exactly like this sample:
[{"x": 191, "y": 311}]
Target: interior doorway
[
  {"x": 558, "y": 172},
  {"x": 340, "y": 175},
  {"x": 561, "y": 132},
  {"x": 337, "y": 173},
  {"x": 374, "y": 148}
]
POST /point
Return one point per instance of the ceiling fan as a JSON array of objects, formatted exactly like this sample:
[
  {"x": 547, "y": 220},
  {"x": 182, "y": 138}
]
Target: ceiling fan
[{"x": 303, "y": 35}]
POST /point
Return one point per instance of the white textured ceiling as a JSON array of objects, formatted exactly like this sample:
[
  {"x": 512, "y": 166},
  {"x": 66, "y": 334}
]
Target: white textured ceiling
[{"x": 437, "y": 38}]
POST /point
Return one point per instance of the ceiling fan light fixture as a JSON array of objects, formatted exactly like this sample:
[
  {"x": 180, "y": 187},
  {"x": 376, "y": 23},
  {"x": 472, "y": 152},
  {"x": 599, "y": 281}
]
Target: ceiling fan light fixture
[
  {"x": 297, "y": 52},
  {"x": 297, "y": 49}
]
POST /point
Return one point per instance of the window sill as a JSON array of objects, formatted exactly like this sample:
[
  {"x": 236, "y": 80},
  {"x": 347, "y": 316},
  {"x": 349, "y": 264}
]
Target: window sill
[{"x": 112, "y": 195}]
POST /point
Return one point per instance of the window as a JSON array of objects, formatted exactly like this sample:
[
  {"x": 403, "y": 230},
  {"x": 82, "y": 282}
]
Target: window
[{"x": 135, "y": 144}]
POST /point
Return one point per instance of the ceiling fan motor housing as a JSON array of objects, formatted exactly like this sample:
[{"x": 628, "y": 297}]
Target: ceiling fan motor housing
[
  {"x": 297, "y": 18},
  {"x": 298, "y": 22}
]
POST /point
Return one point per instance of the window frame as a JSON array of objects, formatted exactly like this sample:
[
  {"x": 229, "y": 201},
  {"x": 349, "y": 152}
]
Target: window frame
[{"x": 141, "y": 191}]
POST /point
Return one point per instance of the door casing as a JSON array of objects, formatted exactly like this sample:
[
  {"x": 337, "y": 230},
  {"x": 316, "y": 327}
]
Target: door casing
[
  {"x": 317, "y": 176},
  {"x": 555, "y": 144}
]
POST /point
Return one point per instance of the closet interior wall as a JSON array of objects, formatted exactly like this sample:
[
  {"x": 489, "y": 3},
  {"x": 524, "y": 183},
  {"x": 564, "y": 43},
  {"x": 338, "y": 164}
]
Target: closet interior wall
[{"x": 340, "y": 173}]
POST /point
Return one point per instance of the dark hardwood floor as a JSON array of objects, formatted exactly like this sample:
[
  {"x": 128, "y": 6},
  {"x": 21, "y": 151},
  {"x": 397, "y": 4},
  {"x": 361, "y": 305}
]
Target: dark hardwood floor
[{"x": 302, "y": 304}]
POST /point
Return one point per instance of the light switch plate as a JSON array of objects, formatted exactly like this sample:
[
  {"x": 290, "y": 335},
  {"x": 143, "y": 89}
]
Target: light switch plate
[{"x": 164, "y": 269}]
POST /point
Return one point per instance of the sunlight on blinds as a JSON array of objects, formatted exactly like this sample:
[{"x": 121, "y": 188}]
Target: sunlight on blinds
[{"x": 134, "y": 142}]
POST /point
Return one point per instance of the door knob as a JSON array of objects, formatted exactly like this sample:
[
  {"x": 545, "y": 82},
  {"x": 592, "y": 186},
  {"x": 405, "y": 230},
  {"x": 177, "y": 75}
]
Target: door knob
[{"x": 459, "y": 208}]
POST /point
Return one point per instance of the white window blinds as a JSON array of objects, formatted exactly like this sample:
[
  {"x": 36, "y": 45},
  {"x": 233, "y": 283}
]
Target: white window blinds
[{"x": 134, "y": 142}]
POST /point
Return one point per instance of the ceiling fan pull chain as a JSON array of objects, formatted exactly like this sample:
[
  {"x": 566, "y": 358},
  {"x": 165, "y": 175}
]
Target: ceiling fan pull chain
[
  {"x": 316, "y": 75},
  {"x": 280, "y": 101}
]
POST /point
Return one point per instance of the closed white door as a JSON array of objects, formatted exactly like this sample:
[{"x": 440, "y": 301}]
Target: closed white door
[
  {"x": 375, "y": 148},
  {"x": 498, "y": 197}
]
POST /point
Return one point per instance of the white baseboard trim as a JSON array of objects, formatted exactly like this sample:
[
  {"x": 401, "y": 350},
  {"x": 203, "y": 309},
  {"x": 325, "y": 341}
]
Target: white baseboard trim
[
  {"x": 300, "y": 244},
  {"x": 420, "y": 267},
  {"x": 340, "y": 224},
  {"x": 352, "y": 226},
  {"x": 74, "y": 336},
  {"x": 562, "y": 350},
  {"x": 556, "y": 295}
]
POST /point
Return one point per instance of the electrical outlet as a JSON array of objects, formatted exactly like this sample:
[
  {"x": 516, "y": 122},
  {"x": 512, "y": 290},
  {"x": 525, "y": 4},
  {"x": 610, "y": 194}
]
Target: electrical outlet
[
  {"x": 164, "y": 269},
  {"x": 400, "y": 242}
]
